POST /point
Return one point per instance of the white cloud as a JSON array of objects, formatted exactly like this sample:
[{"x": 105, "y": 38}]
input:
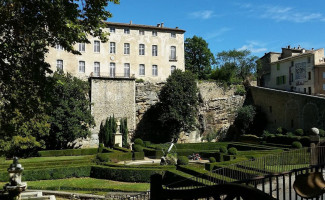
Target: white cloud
[
  {"x": 216, "y": 33},
  {"x": 254, "y": 47},
  {"x": 202, "y": 14},
  {"x": 280, "y": 13}
]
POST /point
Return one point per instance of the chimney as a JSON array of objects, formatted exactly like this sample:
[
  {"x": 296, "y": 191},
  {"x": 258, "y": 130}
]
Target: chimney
[
  {"x": 131, "y": 22},
  {"x": 288, "y": 46},
  {"x": 298, "y": 46},
  {"x": 312, "y": 49},
  {"x": 162, "y": 24},
  {"x": 158, "y": 25},
  {"x": 176, "y": 27}
]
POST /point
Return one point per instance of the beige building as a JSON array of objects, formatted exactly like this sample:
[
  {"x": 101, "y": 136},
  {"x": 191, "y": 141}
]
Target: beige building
[
  {"x": 143, "y": 52},
  {"x": 295, "y": 69}
]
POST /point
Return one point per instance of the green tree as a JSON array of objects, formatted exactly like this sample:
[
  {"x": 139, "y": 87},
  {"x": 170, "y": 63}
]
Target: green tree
[
  {"x": 124, "y": 131},
  {"x": 198, "y": 57},
  {"x": 69, "y": 110},
  {"x": 245, "y": 118},
  {"x": 241, "y": 62},
  {"x": 178, "y": 103},
  {"x": 28, "y": 28}
]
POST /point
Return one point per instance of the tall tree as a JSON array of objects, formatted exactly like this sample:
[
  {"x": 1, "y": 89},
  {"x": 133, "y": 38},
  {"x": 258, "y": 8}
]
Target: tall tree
[
  {"x": 198, "y": 57},
  {"x": 178, "y": 103},
  {"x": 69, "y": 111},
  {"x": 244, "y": 64},
  {"x": 28, "y": 29}
]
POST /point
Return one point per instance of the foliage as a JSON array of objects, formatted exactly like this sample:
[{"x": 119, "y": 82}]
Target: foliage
[
  {"x": 28, "y": 29},
  {"x": 232, "y": 151},
  {"x": 212, "y": 160},
  {"x": 178, "y": 101},
  {"x": 138, "y": 155},
  {"x": 107, "y": 131},
  {"x": 225, "y": 74},
  {"x": 211, "y": 135},
  {"x": 223, "y": 149},
  {"x": 138, "y": 141},
  {"x": 69, "y": 110},
  {"x": 68, "y": 152},
  {"x": 124, "y": 131},
  {"x": 245, "y": 118},
  {"x": 299, "y": 132},
  {"x": 198, "y": 57},
  {"x": 114, "y": 157},
  {"x": 138, "y": 148},
  {"x": 296, "y": 145},
  {"x": 279, "y": 130},
  {"x": 240, "y": 90},
  {"x": 182, "y": 160},
  {"x": 321, "y": 133},
  {"x": 236, "y": 64},
  {"x": 139, "y": 80}
]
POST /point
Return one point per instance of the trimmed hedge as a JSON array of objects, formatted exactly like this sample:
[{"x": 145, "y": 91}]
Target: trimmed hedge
[
  {"x": 175, "y": 178},
  {"x": 51, "y": 173},
  {"x": 114, "y": 157},
  {"x": 182, "y": 160},
  {"x": 202, "y": 146},
  {"x": 153, "y": 153},
  {"x": 138, "y": 148},
  {"x": 212, "y": 160},
  {"x": 138, "y": 141},
  {"x": 68, "y": 152},
  {"x": 124, "y": 174},
  {"x": 125, "y": 150},
  {"x": 296, "y": 145},
  {"x": 229, "y": 157},
  {"x": 232, "y": 151},
  {"x": 138, "y": 155},
  {"x": 203, "y": 154}
]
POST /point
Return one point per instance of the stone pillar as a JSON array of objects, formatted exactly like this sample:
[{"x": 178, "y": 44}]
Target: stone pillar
[{"x": 118, "y": 134}]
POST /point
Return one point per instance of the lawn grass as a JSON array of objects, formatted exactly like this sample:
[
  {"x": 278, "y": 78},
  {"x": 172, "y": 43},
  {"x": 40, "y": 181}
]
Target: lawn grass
[{"x": 86, "y": 185}]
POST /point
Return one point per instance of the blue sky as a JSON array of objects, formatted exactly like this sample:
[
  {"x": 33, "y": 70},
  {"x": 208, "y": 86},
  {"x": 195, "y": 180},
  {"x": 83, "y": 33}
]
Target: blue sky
[{"x": 258, "y": 25}]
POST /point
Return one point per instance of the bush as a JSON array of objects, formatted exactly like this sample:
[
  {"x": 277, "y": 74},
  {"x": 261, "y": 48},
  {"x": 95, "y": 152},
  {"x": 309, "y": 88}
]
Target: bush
[
  {"x": 138, "y": 155},
  {"x": 138, "y": 148},
  {"x": 299, "y": 132},
  {"x": 139, "y": 80},
  {"x": 321, "y": 133},
  {"x": 223, "y": 149},
  {"x": 182, "y": 160},
  {"x": 68, "y": 152},
  {"x": 114, "y": 157},
  {"x": 279, "y": 130},
  {"x": 100, "y": 147},
  {"x": 232, "y": 151},
  {"x": 290, "y": 134},
  {"x": 240, "y": 90},
  {"x": 146, "y": 143},
  {"x": 212, "y": 160},
  {"x": 138, "y": 141},
  {"x": 296, "y": 145}
]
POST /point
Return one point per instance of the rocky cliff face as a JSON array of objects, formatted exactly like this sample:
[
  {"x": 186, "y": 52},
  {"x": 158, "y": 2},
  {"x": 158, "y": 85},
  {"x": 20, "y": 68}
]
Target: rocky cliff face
[{"x": 216, "y": 110}]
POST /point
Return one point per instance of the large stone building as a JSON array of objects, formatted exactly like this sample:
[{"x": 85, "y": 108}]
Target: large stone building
[
  {"x": 145, "y": 52},
  {"x": 294, "y": 69}
]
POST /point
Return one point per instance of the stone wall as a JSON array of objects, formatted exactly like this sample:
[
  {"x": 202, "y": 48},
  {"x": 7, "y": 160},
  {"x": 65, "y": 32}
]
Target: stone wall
[
  {"x": 216, "y": 111},
  {"x": 290, "y": 110},
  {"x": 112, "y": 97}
]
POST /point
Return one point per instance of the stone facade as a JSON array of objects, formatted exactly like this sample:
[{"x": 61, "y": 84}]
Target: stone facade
[
  {"x": 112, "y": 97},
  {"x": 216, "y": 111},
  {"x": 290, "y": 110}
]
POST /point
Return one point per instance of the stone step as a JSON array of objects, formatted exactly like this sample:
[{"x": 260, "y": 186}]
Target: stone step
[
  {"x": 48, "y": 197},
  {"x": 32, "y": 194}
]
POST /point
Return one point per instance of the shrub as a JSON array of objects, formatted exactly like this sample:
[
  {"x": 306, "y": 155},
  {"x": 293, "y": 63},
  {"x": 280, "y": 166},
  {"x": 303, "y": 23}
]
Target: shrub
[
  {"x": 240, "y": 90},
  {"x": 100, "y": 147},
  {"x": 305, "y": 141},
  {"x": 321, "y": 133},
  {"x": 138, "y": 155},
  {"x": 138, "y": 148},
  {"x": 212, "y": 160},
  {"x": 138, "y": 141},
  {"x": 296, "y": 145},
  {"x": 232, "y": 151},
  {"x": 290, "y": 134},
  {"x": 68, "y": 152},
  {"x": 182, "y": 160},
  {"x": 299, "y": 132},
  {"x": 146, "y": 143},
  {"x": 223, "y": 149},
  {"x": 114, "y": 157},
  {"x": 139, "y": 80},
  {"x": 279, "y": 130}
]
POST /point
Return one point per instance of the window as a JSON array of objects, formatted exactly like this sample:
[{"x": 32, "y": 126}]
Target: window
[
  {"x": 173, "y": 35},
  {"x": 305, "y": 90},
  {"x": 154, "y": 70},
  {"x": 308, "y": 59},
  {"x": 112, "y": 70},
  {"x": 141, "y": 32},
  {"x": 82, "y": 66},
  {"x": 323, "y": 86},
  {"x": 126, "y": 31},
  {"x": 278, "y": 66},
  {"x": 154, "y": 33},
  {"x": 292, "y": 63},
  {"x": 59, "y": 65},
  {"x": 58, "y": 47},
  {"x": 172, "y": 69},
  {"x": 96, "y": 68},
  {"x": 309, "y": 75},
  {"x": 82, "y": 47},
  {"x": 127, "y": 70},
  {"x": 112, "y": 29},
  {"x": 141, "y": 49},
  {"x": 172, "y": 53},
  {"x": 142, "y": 70},
  {"x": 96, "y": 46},
  {"x": 112, "y": 47},
  {"x": 309, "y": 90},
  {"x": 323, "y": 75},
  {"x": 126, "y": 48},
  {"x": 154, "y": 50}
]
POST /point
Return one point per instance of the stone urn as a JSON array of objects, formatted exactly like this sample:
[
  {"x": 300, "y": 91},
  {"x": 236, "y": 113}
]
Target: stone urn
[{"x": 15, "y": 186}]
